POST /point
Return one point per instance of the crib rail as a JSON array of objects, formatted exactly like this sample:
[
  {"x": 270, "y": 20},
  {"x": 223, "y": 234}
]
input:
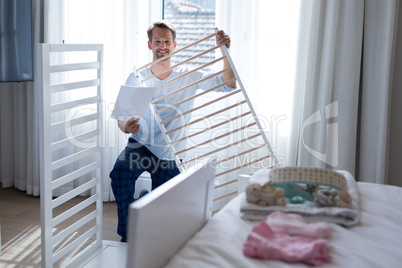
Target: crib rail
[
  {"x": 70, "y": 151},
  {"x": 246, "y": 135}
]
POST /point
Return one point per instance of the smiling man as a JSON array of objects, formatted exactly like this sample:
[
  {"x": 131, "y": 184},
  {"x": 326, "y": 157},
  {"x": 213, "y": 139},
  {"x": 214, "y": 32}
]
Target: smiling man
[{"x": 147, "y": 149}]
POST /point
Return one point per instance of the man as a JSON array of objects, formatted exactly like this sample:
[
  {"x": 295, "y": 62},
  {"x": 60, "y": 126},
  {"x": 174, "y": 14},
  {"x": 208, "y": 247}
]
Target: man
[{"x": 146, "y": 149}]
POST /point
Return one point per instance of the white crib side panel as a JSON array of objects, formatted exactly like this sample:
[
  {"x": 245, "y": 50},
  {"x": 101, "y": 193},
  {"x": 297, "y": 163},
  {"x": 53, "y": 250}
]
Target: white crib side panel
[{"x": 71, "y": 152}]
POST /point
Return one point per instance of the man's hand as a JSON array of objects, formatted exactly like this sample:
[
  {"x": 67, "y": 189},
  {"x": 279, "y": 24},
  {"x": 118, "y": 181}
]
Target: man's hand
[
  {"x": 222, "y": 39},
  {"x": 130, "y": 126}
]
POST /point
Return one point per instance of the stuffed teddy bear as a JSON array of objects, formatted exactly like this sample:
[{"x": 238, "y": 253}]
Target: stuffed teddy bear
[
  {"x": 343, "y": 200},
  {"x": 265, "y": 195},
  {"x": 333, "y": 198}
]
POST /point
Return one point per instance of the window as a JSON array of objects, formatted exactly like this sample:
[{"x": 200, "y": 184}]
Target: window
[{"x": 193, "y": 21}]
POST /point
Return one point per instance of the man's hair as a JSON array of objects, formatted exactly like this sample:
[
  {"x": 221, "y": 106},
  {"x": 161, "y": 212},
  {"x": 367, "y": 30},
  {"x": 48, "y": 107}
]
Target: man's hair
[{"x": 161, "y": 24}]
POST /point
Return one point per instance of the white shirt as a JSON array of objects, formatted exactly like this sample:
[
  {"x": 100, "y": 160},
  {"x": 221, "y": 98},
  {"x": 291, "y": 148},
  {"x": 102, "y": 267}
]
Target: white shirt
[{"x": 150, "y": 134}]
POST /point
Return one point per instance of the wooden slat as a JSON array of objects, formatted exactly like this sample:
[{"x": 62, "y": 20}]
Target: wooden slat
[
  {"x": 225, "y": 184},
  {"x": 207, "y": 116},
  {"x": 220, "y": 149},
  {"x": 211, "y": 127},
  {"x": 217, "y": 138},
  {"x": 190, "y": 72},
  {"x": 202, "y": 106},
  {"x": 185, "y": 61},
  {"x": 187, "y": 86},
  {"x": 195, "y": 96},
  {"x": 216, "y": 211},
  {"x": 224, "y": 196},
  {"x": 242, "y": 153},
  {"x": 175, "y": 52},
  {"x": 242, "y": 166}
]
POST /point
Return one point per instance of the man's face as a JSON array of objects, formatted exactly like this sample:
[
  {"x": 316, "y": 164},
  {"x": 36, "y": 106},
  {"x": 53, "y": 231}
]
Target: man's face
[{"x": 162, "y": 43}]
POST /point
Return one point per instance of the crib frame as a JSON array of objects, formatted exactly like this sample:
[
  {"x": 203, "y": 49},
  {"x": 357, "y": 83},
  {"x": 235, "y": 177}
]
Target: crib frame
[{"x": 239, "y": 90}]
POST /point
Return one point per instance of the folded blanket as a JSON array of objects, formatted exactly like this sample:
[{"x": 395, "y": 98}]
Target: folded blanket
[
  {"x": 311, "y": 213},
  {"x": 294, "y": 224},
  {"x": 298, "y": 242}
]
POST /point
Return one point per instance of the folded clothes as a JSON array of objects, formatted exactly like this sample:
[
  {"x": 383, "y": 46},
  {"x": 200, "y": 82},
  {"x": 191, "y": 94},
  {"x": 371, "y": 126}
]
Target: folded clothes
[
  {"x": 294, "y": 224},
  {"x": 279, "y": 242},
  {"x": 310, "y": 212}
]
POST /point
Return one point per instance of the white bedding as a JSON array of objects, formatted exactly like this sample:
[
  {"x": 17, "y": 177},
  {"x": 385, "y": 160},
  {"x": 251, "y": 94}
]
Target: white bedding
[{"x": 376, "y": 241}]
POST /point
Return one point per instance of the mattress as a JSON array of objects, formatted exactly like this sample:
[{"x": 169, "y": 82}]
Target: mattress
[{"x": 376, "y": 241}]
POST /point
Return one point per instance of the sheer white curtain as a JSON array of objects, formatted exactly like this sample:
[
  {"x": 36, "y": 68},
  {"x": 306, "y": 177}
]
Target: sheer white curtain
[
  {"x": 264, "y": 46},
  {"x": 380, "y": 24},
  {"x": 19, "y": 121},
  {"x": 330, "y": 107},
  {"x": 325, "y": 122},
  {"x": 345, "y": 71},
  {"x": 119, "y": 25}
]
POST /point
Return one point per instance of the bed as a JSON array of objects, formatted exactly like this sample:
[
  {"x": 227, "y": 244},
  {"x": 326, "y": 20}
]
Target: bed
[{"x": 375, "y": 241}]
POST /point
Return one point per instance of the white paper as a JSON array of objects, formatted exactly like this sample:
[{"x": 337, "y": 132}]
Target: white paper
[{"x": 132, "y": 102}]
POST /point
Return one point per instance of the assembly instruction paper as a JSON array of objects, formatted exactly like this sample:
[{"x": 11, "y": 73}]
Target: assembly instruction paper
[{"x": 132, "y": 102}]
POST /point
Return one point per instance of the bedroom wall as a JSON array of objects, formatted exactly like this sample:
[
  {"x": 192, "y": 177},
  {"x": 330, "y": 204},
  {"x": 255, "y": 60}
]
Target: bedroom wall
[{"x": 395, "y": 140}]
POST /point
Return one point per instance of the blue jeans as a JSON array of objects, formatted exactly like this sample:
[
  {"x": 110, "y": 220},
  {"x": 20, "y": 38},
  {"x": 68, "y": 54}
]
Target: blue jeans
[{"x": 131, "y": 163}]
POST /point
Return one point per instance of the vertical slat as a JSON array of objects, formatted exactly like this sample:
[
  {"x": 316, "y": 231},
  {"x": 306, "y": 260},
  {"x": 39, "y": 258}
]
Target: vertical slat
[
  {"x": 99, "y": 157},
  {"x": 45, "y": 162}
]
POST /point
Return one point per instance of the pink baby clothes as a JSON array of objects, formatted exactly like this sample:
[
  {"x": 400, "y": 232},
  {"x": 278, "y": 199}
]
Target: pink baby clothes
[
  {"x": 264, "y": 243},
  {"x": 295, "y": 224}
]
